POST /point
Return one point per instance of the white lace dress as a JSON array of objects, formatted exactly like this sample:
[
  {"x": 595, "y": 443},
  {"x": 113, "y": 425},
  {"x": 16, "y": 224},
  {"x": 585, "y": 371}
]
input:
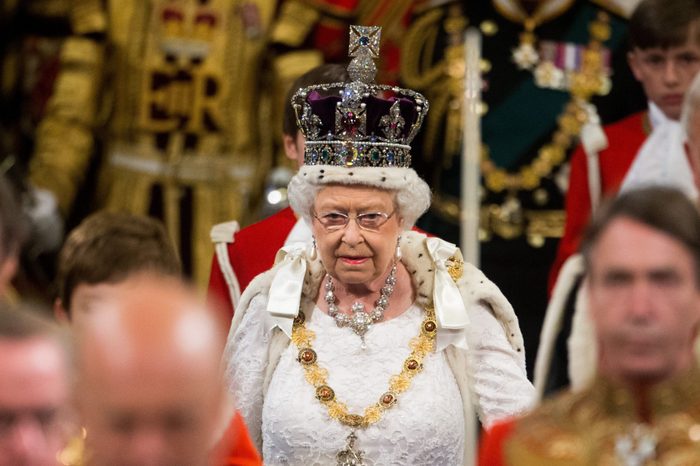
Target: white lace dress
[{"x": 425, "y": 427}]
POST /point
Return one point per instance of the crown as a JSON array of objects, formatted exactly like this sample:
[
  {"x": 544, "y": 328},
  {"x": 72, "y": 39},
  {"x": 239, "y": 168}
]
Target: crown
[{"x": 360, "y": 123}]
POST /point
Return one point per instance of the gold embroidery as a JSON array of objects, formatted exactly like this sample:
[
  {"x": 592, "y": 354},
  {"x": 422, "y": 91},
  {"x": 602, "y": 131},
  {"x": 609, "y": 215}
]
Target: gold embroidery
[{"x": 591, "y": 427}]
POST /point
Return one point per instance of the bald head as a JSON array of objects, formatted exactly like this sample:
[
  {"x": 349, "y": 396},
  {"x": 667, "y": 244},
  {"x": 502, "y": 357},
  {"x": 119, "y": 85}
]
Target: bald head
[{"x": 149, "y": 386}]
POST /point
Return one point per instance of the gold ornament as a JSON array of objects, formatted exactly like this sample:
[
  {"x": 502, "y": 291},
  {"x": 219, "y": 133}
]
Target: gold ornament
[
  {"x": 421, "y": 346},
  {"x": 455, "y": 267}
]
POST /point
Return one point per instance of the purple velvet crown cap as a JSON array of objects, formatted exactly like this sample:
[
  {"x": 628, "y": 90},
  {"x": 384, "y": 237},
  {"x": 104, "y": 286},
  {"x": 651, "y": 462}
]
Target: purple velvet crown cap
[{"x": 377, "y": 107}]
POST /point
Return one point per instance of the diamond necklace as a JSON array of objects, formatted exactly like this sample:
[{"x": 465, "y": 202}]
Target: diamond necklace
[{"x": 360, "y": 321}]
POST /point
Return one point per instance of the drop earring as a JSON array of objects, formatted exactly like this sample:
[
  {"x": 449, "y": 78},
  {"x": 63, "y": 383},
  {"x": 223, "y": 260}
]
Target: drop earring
[
  {"x": 398, "y": 248},
  {"x": 312, "y": 253}
]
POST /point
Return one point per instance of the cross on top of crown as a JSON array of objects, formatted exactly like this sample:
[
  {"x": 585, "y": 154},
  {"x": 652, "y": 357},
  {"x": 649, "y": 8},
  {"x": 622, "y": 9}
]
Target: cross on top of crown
[
  {"x": 364, "y": 40},
  {"x": 364, "y": 47}
]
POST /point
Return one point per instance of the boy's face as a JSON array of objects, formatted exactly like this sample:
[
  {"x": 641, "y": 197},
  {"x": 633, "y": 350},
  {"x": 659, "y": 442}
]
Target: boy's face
[{"x": 666, "y": 74}]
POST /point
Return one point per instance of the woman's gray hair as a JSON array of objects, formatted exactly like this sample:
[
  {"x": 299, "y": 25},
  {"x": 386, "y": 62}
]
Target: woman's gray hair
[
  {"x": 691, "y": 102},
  {"x": 412, "y": 194}
]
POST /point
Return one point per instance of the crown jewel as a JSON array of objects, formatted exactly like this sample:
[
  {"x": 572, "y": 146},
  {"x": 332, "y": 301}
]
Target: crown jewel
[{"x": 360, "y": 123}]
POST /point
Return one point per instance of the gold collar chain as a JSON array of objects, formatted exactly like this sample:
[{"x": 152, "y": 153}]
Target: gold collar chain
[{"x": 420, "y": 346}]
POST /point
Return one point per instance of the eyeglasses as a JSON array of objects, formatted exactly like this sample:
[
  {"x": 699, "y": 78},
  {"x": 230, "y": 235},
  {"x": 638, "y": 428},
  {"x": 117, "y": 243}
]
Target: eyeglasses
[{"x": 369, "y": 221}]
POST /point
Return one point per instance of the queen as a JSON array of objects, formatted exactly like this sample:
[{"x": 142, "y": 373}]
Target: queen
[{"x": 375, "y": 344}]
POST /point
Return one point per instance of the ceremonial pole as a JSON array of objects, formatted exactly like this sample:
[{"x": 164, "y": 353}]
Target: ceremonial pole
[
  {"x": 471, "y": 149},
  {"x": 470, "y": 203}
]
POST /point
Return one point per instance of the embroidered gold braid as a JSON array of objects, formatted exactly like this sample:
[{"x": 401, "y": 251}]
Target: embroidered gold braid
[{"x": 317, "y": 376}]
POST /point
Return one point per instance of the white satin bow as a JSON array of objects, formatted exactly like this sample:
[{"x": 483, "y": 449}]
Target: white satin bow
[
  {"x": 449, "y": 306},
  {"x": 285, "y": 290}
]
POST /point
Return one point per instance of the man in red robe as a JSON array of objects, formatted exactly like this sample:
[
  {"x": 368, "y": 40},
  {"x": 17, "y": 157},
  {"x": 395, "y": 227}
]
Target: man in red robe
[
  {"x": 624, "y": 137},
  {"x": 664, "y": 57},
  {"x": 241, "y": 255}
]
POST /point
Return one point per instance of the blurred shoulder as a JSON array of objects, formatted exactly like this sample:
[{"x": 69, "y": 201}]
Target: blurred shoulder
[{"x": 553, "y": 433}]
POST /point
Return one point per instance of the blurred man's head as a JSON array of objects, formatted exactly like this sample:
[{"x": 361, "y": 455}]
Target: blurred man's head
[
  {"x": 103, "y": 251},
  {"x": 665, "y": 50},
  {"x": 690, "y": 120},
  {"x": 642, "y": 254},
  {"x": 12, "y": 233},
  {"x": 149, "y": 390},
  {"x": 35, "y": 382},
  {"x": 292, "y": 138}
]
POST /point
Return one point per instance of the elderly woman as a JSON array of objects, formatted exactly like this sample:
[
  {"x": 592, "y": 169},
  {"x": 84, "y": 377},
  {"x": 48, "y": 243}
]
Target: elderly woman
[{"x": 371, "y": 345}]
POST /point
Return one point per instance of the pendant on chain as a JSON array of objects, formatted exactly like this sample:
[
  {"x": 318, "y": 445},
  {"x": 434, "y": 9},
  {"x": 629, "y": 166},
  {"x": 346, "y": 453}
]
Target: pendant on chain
[{"x": 351, "y": 455}]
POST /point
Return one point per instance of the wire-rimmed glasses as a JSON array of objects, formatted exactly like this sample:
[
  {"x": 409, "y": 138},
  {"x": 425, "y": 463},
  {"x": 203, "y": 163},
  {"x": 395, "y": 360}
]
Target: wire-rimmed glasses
[{"x": 369, "y": 221}]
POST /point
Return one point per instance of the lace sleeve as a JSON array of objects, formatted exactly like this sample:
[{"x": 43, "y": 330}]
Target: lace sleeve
[
  {"x": 247, "y": 354},
  {"x": 500, "y": 384}
]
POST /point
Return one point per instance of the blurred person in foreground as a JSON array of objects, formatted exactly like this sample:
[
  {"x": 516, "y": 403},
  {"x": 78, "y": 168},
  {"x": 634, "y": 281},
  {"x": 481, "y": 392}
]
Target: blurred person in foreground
[
  {"x": 149, "y": 386},
  {"x": 35, "y": 389},
  {"x": 102, "y": 259},
  {"x": 241, "y": 255},
  {"x": 374, "y": 344},
  {"x": 642, "y": 257}
]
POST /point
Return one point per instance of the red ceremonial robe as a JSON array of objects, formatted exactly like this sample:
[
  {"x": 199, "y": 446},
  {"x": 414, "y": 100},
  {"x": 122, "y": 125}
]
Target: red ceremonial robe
[
  {"x": 625, "y": 138},
  {"x": 251, "y": 252}
]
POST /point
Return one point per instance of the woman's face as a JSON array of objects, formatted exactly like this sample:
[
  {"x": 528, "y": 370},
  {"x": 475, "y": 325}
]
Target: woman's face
[{"x": 351, "y": 254}]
